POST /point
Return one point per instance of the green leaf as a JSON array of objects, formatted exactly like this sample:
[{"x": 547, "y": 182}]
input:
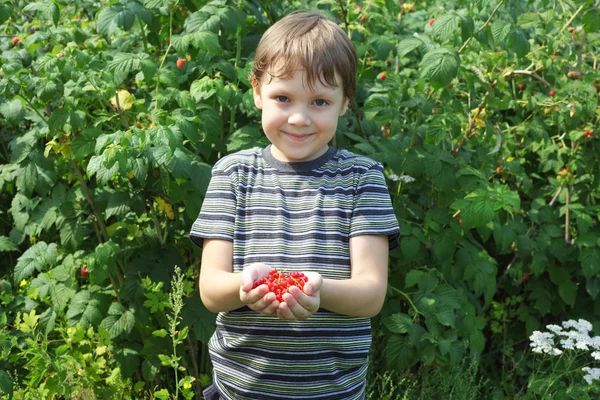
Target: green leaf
[
  {"x": 568, "y": 292},
  {"x": 48, "y": 321},
  {"x": 12, "y": 110},
  {"x": 440, "y": 66},
  {"x": 400, "y": 354},
  {"x": 382, "y": 46},
  {"x": 445, "y": 314},
  {"x": 444, "y": 245},
  {"x": 590, "y": 261},
  {"x": 207, "y": 41},
  {"x": 6, "y": 384},
  {"x": 6, "y": 11},
  {"x": 591, "y": 20},
  {"x": 38, "y": 257},
  {"x": 6, "y": 244},
  {"x": 58, "y": 119},
  {"x": 119, "y": 324},
  {"x": 526, "y": 20},
  {"x": 478, "y": 213},
  {"x": 202, "y": 21},
  {"x": 112, "y": 17},
  {"x": 27, "y": 179},
  {"x": 408, "y": 45},
  {"x": 150, "y": 367},
  {"x": 124, "y": 63},
  {"x": 517, "y": 42},
  {"x": 446, "y": 26},
  {"x": 412, "y": 278},
  {"x": 141, "y": 12},
  {"x": 411, "y": 247},
  {"x": 500, "y": 30},
  {"x": 160, "y": 333},
  {"x": 87, "y": 308},
  {"x": 162, "y": 394},
  {"x": 118, "y": 205},
  {"x": 49, "y": 10},
  {"x": 398, "y": 323}
]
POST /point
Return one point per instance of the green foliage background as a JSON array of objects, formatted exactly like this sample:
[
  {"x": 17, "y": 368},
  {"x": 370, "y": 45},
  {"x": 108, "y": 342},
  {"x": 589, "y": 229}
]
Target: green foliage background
[{"x": 107, "y": 146}]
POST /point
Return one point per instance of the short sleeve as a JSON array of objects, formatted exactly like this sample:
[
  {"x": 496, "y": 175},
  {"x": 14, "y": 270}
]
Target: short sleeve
[
  {"x": 373, "y": 213},
  {"x": 217, "y": 214}
]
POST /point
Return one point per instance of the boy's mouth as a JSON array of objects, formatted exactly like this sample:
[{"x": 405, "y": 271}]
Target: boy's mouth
[{"x": 297, "y": 137}]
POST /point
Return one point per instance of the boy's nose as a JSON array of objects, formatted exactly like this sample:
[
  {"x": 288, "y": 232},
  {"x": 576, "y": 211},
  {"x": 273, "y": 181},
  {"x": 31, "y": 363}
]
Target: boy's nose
[{"x": 299, "y": 117}]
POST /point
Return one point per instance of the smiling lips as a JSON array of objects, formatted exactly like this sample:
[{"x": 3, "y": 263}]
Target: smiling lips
[{"x": 297, "y": 138}]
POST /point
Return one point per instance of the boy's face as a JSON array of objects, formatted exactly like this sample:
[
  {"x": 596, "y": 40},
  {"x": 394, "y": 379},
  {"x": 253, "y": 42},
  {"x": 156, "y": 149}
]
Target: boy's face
[{"x": 297, "y": 121}]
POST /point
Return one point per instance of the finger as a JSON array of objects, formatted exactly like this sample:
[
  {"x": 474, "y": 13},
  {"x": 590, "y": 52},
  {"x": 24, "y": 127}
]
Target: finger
[
  {"x": 284, "y": 312},
  {"x": 253, "y": 295},
  {"x": 301, "y": 299},
  {"x": 295, "y": 307}
]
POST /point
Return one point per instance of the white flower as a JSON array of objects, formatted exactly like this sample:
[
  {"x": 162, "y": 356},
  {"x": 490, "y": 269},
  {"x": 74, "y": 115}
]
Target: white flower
[
  {"x": 542, "y": 342},
  {"x": 567, "y": 344},
  {"x": 581, "y": 326},
  {"x": 593, "y": 373},
  {"x": 554, "y": 328},
  {"x": 596, "y": 355},
  {"x": 402, "y": 178}
]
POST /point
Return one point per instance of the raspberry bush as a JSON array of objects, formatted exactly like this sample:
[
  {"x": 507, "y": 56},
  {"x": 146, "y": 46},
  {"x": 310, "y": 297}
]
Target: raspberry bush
[{"x": 112, "y": 114}]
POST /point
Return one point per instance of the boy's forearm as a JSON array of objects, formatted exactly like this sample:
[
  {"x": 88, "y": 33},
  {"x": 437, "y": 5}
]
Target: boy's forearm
[
  {"x": 220, "y": 290},
  {"x": 354, "y": 297}
]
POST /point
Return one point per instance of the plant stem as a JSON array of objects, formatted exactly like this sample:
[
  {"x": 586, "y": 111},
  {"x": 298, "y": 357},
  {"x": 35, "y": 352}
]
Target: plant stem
[
  {"x": 485, "y": 24},
  {"x": 571, "y": 19},
  {"x": 417, "y": 312}
]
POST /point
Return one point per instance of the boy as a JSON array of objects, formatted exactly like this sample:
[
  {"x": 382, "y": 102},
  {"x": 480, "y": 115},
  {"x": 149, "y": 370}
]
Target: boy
[{"x": 296, "y": 205}]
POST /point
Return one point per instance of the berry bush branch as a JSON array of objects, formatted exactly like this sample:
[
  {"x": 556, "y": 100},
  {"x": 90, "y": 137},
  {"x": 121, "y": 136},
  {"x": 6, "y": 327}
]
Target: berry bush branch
[
  {"x": 532, "y": 74},
  {"x": 485, "y": 24}
]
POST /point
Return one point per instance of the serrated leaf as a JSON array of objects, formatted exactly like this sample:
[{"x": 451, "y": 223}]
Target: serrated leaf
[
  {"x": 207, "y": 41},
  {"x": 38, "y": 257},
  {"x": 27, "y": 179},
  {"x": 398, "y": 323},
  {"x": 6, "y": 244},
  {"x": 591, "y": 20},
  {"x": 123, "y": 63},
  {"x": 517, "y": 42},
  {"x": 527, "y": 20},
  {"x": 119, "y": 324},
  {"x": 12, "y": 110},
  {"x": 48, "y": 321},
  {"x": 500, "y": 30},
  {"x": 140, "y": 11},
  {"x": 405, "y": 46},
  {"x": 87, "y": 308},
  {"x": 49, "y": 10},
  {"x": 6, "y": 11},
  {"x": 150, "y": 367},
  {"x": 446, "y": 26},
  {"x": 202, "y": 21},
  {"x": 440, "y": 66},
  {"x": 411, "y": 247},
  {"x": 400, "y": 354},
  {"x": 590, "y": 261},
  {"x": 118, "y": 205},
  {"x": 58, "y": 119},
  {"x": 6, "y": 384}
]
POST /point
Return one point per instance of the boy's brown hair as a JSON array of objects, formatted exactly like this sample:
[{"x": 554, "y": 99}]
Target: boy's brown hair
[{"x": 310, "y": 42}]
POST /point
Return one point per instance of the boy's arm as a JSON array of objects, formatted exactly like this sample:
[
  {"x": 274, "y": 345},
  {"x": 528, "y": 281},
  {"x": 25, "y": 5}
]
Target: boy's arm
[
  {"x": 361, "y": 296},
  {"x": 223, "y": 290},
  {"x": 364, "y": 293}
]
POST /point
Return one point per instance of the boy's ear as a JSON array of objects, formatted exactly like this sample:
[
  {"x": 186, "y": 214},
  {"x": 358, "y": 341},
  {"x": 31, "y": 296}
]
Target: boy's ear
[
  {"x": 345, "y": 106},
  {"x": 256, "y": 94}
]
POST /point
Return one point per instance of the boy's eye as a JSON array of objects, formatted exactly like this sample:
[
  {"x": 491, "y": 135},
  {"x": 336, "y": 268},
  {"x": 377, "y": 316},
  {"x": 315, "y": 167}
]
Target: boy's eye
[
  {"x": 282, "y": 99},
  {"x": 321, "y": 102}
]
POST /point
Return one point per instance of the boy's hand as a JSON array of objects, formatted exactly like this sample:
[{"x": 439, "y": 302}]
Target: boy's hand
[
  {"x": 257, "y": 299},
  {"x": 298, "y": 304}
]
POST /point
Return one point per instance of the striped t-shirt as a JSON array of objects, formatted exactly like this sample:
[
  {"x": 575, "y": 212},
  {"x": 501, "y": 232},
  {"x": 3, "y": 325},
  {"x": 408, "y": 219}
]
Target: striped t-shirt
[{"x": 293, "y": 217}]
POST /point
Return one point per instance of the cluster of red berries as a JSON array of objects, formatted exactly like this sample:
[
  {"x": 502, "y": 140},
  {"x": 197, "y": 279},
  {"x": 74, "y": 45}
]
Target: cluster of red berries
[
  {"x": 280, "y": 282},
  {"x": 589, "y": 133}
]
